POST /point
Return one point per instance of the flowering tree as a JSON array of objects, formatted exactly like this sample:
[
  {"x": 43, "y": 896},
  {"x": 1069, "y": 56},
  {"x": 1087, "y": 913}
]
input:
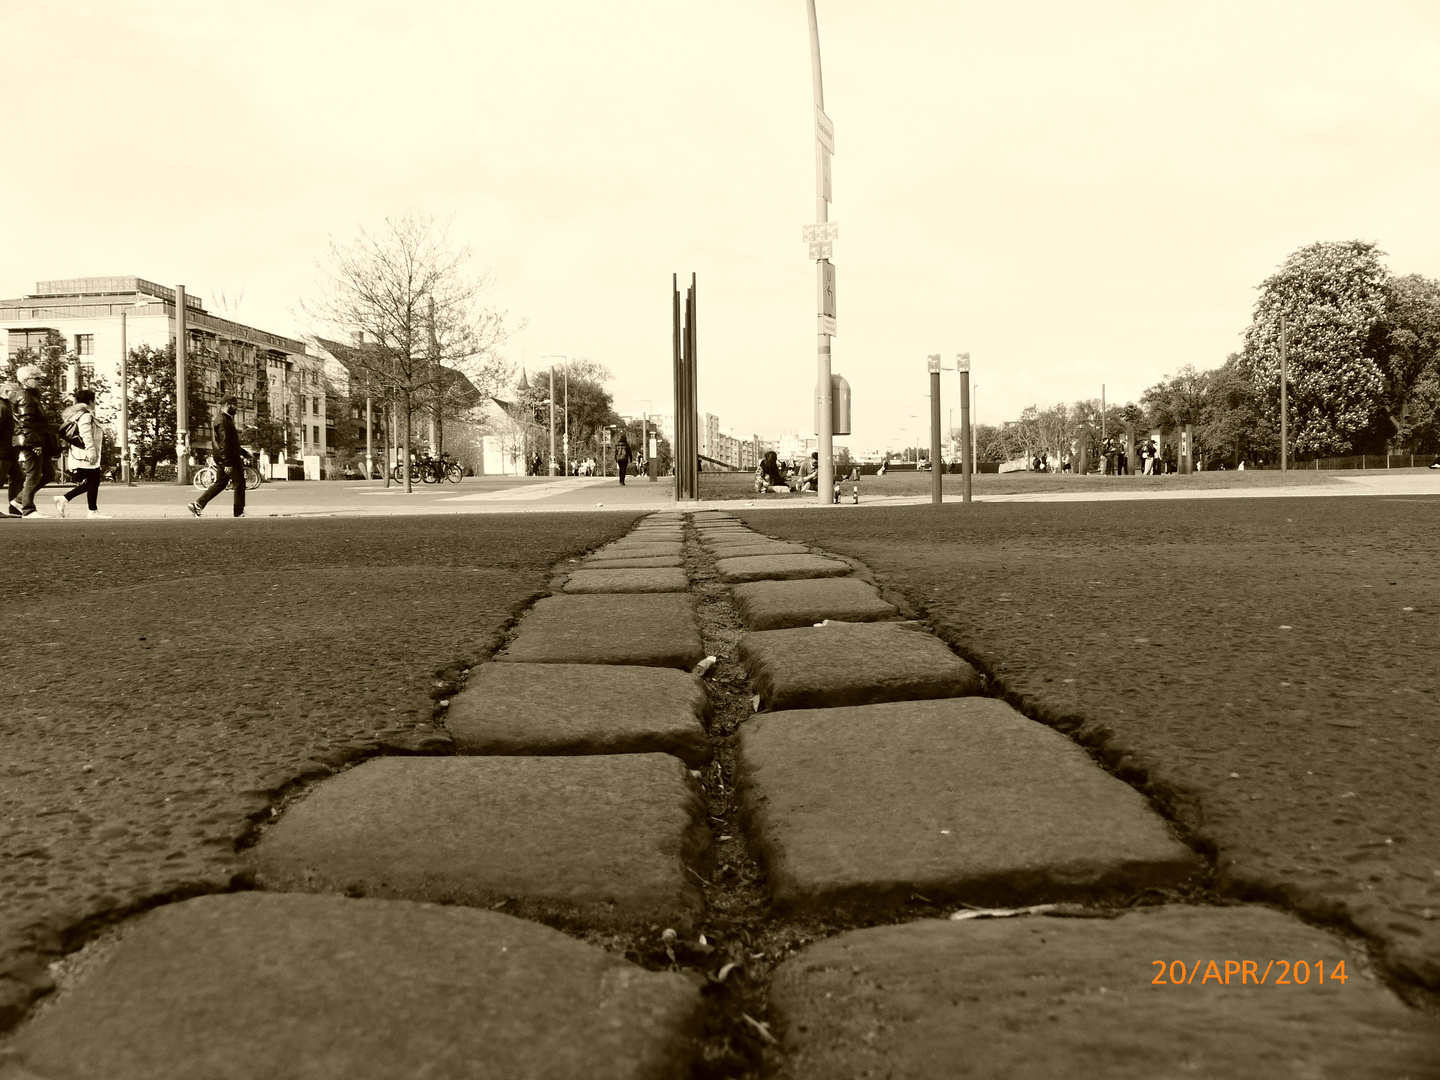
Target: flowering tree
[{"x": 1333, "y": 297}]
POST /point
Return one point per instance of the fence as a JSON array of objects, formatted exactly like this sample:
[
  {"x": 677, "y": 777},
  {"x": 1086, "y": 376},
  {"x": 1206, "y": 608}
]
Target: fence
[{"x": 1373, "y": 461}]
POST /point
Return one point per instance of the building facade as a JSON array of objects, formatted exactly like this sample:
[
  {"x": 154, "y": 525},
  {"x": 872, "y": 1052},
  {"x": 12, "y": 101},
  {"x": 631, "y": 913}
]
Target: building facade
[{"x": 277, "y": 381}]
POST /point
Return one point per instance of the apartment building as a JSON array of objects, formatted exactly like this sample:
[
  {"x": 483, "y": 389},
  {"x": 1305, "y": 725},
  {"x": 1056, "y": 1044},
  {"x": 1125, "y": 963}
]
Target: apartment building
[{"x": 274, "y": 377}]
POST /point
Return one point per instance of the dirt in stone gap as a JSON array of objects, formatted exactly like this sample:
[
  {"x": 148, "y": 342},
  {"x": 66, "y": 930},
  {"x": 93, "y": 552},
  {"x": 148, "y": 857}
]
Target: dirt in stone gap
[{"x": 741, "y": 940}]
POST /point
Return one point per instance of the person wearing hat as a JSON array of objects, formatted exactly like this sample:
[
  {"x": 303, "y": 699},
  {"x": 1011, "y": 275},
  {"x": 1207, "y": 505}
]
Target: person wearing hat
[
  {"x": 229, "y": 464},
  {"x": 34, "y": 444}
]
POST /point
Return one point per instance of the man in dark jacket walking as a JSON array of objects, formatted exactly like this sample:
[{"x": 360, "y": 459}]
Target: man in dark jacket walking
[
  {"x": 229, "y": 464},
  {"x": 34, "y": 444}
]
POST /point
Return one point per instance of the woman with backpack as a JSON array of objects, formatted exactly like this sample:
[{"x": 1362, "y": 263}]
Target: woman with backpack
[
  {"x": 622, "y": 456},
  {"x": 82, "y": 458}
]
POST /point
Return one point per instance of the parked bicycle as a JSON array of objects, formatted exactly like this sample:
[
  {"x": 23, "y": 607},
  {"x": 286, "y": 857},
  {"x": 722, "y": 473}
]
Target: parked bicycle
[{"x": 431, "y": 470}]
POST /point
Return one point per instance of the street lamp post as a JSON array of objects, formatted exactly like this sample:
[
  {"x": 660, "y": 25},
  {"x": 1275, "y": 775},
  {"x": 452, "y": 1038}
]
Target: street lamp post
[
  {"x": 565, "y": 374},
  {"x": 1284, "y": 406},
  {"x": 825, "y": 272}
]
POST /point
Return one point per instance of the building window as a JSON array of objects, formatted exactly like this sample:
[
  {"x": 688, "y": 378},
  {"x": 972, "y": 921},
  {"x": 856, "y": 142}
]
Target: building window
[
  {"x": 316, "y": 436},
  {"x": 84, "y": 344},
  {"x": 315, "y": 406}
]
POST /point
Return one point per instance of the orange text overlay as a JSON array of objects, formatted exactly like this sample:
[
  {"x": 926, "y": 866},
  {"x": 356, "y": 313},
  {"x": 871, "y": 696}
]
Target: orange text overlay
[{"x": 1247, "y": 972}]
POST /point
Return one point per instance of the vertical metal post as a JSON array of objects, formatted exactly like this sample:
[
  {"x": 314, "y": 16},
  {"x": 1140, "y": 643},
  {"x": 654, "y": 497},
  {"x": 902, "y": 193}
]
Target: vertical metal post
[
  {"x": 552, "y": 419},
  {"x": 677, "y": 379},
  {"x": 1284, "y": 405},
  {"x": 124, "y": 404},
  {"x": 182, "y": 401},
  {"x": 967, "y": 450},
  {"x": 825, "y": 482},
  {"x": 936, "y": 480}
]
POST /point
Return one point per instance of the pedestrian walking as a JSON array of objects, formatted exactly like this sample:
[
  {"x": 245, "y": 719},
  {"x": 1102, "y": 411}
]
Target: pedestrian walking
[
  {"x": 7, "y": 432},
  {"x": 622, "y": 456},
  {"x": 84, "y": 457},
  {"x": 35, "y": 444},
  {"x": 229, "y": 463}
]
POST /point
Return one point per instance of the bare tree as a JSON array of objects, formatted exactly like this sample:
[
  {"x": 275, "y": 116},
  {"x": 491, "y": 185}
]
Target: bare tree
[{"x": 408, "y": 288}]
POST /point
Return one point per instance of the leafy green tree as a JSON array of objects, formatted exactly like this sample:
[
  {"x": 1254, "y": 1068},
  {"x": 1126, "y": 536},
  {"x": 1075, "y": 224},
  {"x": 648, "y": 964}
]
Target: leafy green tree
[
  {"x": 1412, "y": 340},
  {"x": 1333, "y": 297}
]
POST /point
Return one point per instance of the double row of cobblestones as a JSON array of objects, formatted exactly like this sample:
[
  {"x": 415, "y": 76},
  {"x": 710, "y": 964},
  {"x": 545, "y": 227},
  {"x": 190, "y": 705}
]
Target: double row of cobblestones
[{"x": 448, "y": 916}]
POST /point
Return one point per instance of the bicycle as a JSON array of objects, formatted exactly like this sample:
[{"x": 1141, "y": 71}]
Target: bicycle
[
  {"x": 431, "y": 470},
  {"x": 205, "y": 476}
]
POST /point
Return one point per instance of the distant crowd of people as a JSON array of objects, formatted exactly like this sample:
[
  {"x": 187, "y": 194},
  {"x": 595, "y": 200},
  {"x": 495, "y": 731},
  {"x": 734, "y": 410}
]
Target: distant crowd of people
[{"x": 1153, "y": 460}]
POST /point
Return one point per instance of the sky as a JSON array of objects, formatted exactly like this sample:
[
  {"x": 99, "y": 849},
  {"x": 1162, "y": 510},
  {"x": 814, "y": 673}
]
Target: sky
[{"x": 1076, "y": 195}]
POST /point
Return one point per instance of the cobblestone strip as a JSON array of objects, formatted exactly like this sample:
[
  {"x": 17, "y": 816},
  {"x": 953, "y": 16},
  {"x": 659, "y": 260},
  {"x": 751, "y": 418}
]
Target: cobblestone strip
[
  {"x": 628, "y": 872},
  {"x": 962, "y": 799}
]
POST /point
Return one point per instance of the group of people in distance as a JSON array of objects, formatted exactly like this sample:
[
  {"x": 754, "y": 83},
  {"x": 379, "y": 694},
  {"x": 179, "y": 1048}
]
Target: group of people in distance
[
  {"x": 773, "y": 475},
  {"x": 31, "y": 442},
  {"x": 1154, "y": 461}
]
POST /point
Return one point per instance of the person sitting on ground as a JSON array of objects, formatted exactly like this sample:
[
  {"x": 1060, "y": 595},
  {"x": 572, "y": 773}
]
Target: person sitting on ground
[
  {"x": 768, "y": 475},
  {"x": 810, "y": 478}
]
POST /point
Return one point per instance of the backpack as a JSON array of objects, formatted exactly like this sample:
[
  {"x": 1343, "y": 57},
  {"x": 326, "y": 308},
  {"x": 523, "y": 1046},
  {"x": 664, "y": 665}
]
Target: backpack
[
  {"x": 622, "y": 452},
  {"x": 70, "y": 433}
]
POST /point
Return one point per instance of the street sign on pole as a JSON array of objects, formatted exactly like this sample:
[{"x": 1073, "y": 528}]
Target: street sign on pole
[
  {"x": 820, "y": 249},
  {"x": 825, "y": 230},
  {"x": 827, "y": 288},
  {"x": 825, "y": 176},
  {"x": 827, "y": 325},
  {"x": 824, "y": 130},
  {"x": 932, "y": 363}
]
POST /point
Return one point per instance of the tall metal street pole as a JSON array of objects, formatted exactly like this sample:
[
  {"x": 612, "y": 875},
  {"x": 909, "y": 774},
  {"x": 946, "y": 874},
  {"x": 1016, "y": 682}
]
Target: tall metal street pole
[
  {"x": 552, "y": 419},
  {"x": 825, "y": 275},
  {"x": 1284, "y": 403},
  {"x": 967, "y": 450},
  {"x": 124, "y": 406},
  {"x": 936, "y": 481},
  {"x": 182, "y": 401},
  {"x": 566, "y": 370}
]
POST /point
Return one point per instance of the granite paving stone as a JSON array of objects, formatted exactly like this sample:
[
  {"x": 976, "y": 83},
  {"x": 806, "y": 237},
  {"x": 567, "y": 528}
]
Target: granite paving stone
[
  {"x": 742, "y": 548},
  {"x": 603, "y": 839},
  {"x": 852, "y": 664},
  {"x": 254, "y": 986},
  {"x": 778, "y": 567},
  {"x": 637, "y": 549},
  {"x": 960, "y": 800},
  {"x": 581, "y": 709},
  {"x": 1039, "y": 998},
  {"x": 777, "y": 605},
  {"x": 631, "y": 564},
  {"x": 639, "y": 580},
  {"x": 652, "y": 629}
]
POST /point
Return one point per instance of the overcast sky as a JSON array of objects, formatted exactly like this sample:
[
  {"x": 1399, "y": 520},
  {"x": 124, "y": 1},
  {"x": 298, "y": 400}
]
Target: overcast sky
[{"x": 1074, "y": 194}]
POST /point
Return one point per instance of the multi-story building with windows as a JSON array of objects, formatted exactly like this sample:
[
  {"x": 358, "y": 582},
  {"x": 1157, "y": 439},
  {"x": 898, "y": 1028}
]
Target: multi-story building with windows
[{"x": 273, "y": 377}]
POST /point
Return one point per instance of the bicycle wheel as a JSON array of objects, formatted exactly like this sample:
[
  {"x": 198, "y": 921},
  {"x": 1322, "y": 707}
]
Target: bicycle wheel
[
  {"x": 397, "y": 473},
  {"x": 429, "y": 472},
  {"x": 204, "y": 477},
  {"x": 453, "y": 473},
  {"x": 252, "y": 476}
]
